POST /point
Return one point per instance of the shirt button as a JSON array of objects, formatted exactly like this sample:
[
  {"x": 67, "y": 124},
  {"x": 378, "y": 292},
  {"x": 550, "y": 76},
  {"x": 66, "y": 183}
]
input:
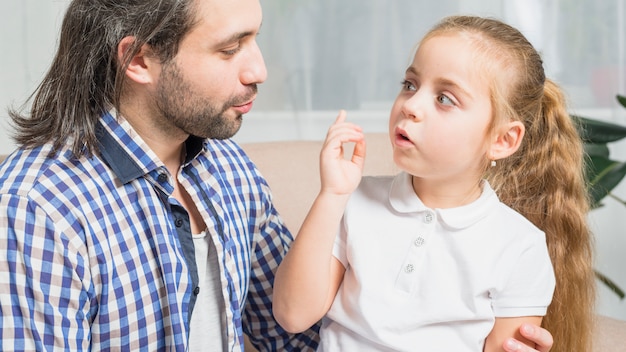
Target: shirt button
[
  {"x": 409, "y": 268},
  {"x": 162, "y": 178},
  {"x": 178, "y": 222},
  {"x": 428, "y": 218},
  {"x": 196, "y": 290},
  {"x": 419, "y": 241}
]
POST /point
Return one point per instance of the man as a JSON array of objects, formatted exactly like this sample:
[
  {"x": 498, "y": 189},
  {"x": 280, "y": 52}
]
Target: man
[{"x": 127, "y": 207}]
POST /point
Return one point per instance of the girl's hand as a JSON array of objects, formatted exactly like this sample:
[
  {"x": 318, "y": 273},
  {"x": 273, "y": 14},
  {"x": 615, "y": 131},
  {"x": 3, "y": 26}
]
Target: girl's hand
[
  {"x": 541, "y": 337},
  {"x": 339, "y": 175}
]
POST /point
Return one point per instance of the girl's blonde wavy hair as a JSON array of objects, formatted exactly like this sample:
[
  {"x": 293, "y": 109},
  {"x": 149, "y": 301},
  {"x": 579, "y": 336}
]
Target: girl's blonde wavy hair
[{"x": 544, "y": 180}]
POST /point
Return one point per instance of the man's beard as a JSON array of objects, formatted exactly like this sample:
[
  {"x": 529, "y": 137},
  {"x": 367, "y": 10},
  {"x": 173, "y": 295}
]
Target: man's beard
[{"x": 181, "y": 106}]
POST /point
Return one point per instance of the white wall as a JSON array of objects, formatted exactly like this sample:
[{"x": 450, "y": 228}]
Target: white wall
[{"x": 28, "y": 41}]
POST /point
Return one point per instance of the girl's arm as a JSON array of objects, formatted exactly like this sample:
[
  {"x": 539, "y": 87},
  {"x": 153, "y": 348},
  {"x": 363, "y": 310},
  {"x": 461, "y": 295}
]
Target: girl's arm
[
  {"x": 308, "y": 278},
  {"x": 506, "y": 328}
]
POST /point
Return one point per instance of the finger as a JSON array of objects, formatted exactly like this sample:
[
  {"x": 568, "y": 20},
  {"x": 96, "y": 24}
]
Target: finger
[
  {"x": 358, "y": 154},
  {"x": 345, "y": 128},
  {"x": 341, "y": 117},
  {"x": 538, "y": 335},
  {"x": 341, "y": 128},
  {"x": 344, "y": 132},
  {"x": 333, "y": 147},
  {"x": 341, "y": 124},
  {"x": 512, "y": 345},
  {"x": 541, "y": 338}
]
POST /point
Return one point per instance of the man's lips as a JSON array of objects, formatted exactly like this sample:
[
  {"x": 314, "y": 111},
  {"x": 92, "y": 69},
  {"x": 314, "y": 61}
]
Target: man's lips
[{"x": 244, "y": 108}]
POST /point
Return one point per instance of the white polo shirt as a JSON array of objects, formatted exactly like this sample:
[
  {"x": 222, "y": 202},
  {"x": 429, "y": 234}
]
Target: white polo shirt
[{"x": 420, "y": 279}]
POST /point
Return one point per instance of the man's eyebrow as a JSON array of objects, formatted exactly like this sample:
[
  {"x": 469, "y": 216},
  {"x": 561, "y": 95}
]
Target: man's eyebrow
[
  {"x": 235, "y": 38},
  {"x": 238, "y": 36}
]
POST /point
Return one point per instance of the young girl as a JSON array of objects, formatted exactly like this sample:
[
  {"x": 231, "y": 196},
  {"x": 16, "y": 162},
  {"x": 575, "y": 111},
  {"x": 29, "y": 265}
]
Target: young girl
[{"x": 432, "y": 259}]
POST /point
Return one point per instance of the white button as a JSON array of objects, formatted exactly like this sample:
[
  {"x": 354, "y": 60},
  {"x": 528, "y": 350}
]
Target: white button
[
  {"x": 419, "y": 241},
  {"x": 409, "y": 268},
  {"x": 428, "y": 218}
]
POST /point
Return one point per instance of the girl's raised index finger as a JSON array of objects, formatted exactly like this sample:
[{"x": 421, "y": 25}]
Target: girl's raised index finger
[{"x": 341, "y": 117}]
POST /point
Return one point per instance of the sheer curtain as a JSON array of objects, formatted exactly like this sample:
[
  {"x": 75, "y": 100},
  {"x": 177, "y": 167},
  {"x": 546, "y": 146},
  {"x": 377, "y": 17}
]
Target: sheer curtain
[{"x": 323, "y": 55}]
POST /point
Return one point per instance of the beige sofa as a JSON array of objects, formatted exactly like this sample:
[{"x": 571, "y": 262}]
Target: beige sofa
[{"x": 292, "y": 171}]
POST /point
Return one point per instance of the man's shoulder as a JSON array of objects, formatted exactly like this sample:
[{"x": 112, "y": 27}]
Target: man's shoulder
[
  {"x": 22, "y": 168},
  {"x": 29, "y": 168},
  {"x": 229, "y": 156},
  {"x": 224, "y": 147}
]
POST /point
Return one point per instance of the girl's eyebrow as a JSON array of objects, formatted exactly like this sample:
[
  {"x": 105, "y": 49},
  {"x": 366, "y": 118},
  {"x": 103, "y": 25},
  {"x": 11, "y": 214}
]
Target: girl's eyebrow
[
  {"x": 459, "y": 90},
  {"x": 412, "y": 70},
  {"x": 444, "y": 82}
]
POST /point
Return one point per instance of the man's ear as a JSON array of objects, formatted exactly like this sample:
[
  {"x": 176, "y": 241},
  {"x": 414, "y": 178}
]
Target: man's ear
[
  {"x": 507, "y": 140},
  {"x": 140, "y": 68}
]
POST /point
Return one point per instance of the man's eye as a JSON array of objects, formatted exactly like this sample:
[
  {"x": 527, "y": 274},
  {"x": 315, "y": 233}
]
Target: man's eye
[
  {"x": 443, "y": 99},
  {"x": 231, "y": 52}
]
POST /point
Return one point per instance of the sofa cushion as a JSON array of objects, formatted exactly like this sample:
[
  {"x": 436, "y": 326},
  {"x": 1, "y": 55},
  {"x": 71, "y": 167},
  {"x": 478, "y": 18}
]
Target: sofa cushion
[{"x": 609, "y": 335}]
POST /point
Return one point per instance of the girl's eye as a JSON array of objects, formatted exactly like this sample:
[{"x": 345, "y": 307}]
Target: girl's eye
[
  {"x": 406, "y": 85},
  {"x": 443, "y": 99}
]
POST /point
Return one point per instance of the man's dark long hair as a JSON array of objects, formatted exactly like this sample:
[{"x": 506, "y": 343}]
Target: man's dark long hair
[{"x": 86, "y": 78}]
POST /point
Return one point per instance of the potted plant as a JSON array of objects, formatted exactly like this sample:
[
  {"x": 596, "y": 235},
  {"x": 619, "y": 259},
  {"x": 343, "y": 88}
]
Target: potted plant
[{"x": 603, "y": 173}]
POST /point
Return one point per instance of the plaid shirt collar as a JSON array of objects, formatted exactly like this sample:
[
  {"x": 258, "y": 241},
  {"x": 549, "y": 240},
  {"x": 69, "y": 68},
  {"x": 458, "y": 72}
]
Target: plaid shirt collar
[{"x": 127, "y": 154}]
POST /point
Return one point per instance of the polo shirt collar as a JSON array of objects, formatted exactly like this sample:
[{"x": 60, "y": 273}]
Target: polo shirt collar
[{"x": 403, "y": 199}]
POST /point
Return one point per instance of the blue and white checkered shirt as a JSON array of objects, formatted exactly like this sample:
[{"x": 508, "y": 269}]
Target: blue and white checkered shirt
[{"x": 93, "y": 250}]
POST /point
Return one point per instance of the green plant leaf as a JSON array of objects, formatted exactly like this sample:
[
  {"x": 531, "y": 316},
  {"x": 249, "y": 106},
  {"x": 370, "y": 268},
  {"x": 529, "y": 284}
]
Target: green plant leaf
[
  {"x": 597, "y": 149},
  {"x": 603, "y": 175},
  {"x": 610, "y": 284},
  {"x": 595, "y": 131},
  {"x": 621, "y": 99}
]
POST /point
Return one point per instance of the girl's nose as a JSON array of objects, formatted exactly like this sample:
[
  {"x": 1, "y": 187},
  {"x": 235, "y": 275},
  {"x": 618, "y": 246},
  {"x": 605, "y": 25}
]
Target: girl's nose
[{"x": 413, "y": 107}]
